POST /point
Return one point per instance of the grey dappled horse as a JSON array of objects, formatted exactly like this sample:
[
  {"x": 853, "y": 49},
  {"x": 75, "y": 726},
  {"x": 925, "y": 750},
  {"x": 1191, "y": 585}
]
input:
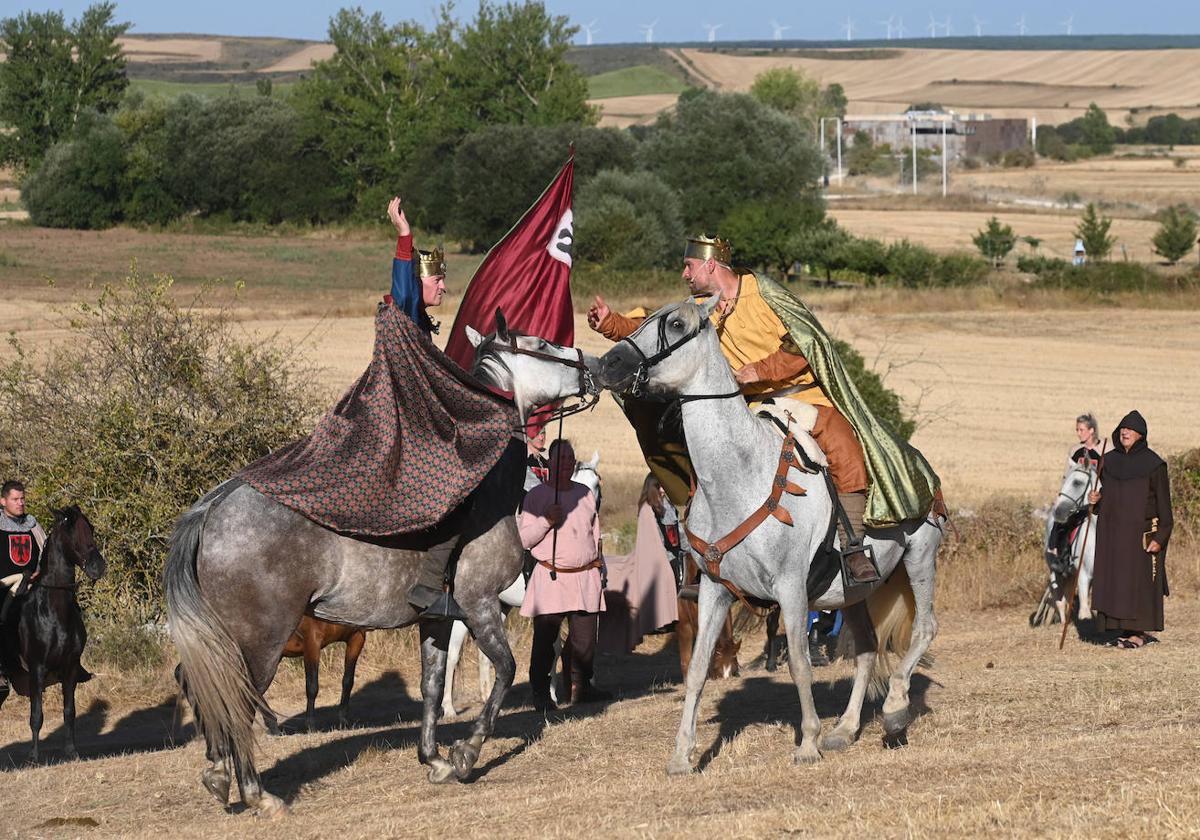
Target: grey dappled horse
[
  {"x": 735, "y": 455},
  {"x": 1071, "y": 500},
  {"x": 243, "y": 569}
]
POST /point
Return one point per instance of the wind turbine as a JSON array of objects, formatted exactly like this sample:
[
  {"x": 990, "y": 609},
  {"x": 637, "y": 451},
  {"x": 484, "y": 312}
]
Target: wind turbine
[
  {"x": 648, "y": 28},
  {"x": 778, "y": 29},
  {"x": 589, "y": 30},
  {"x": 947, "y": 27},
  {"x": 712, "y": 30},
  {"x": 933, "y": 25},
  {"x": 1068, "y": 23},
  {"x": 979, "y": 24},
  {"x": 900, "y": 28},
  {"x": 889, "y": 23},
  {"x": 849, "y": 27},
  {"x": 1021, "y": 25}
]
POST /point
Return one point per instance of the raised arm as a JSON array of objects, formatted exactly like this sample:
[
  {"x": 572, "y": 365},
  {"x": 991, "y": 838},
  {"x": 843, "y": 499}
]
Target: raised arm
[{"x": 406, "y": 291}]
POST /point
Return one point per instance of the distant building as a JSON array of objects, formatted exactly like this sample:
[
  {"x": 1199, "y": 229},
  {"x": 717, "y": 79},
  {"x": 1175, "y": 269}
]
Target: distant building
[{"x": 967, "y": 135}]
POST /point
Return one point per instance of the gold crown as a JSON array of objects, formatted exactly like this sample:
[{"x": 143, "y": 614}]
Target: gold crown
[
  {"x": 703, "y": 247},
  {"x": 431, "y": 263}
]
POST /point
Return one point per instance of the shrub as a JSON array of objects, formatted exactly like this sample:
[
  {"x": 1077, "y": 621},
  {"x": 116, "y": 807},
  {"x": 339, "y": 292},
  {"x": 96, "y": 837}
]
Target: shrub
[
  {"x": 1176, "y": 236},
  {"x": 628, "y": 221},
  {"x": 1093, "y": 230},
  {"x": 149, "y": 406},
  {"x": 78, "y": 184},
  {"x": 1022, "y": 158},
  {"x": 1103, "y": 277},
  {"x": 960, "y": 270},
  {"x": 995, "y": 241},
  {"x": 913, "y": 265},
  {"x": 761, "y": 233},
  {"x": 883, "y": 402},
  {"x": 866, "y": 256},
  {"x": 501, "y": 170},
  {"x": 718, "y": 150}
]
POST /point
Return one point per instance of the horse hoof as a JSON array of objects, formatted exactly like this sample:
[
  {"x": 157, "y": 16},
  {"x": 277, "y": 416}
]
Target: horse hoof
[
  {"x": 1085, "y": 615},
  {"x": 270, "y": 807},
  {"x": 835, "y": 741},
  {"x": 679, "y": 767},
  {"x": 896, "y": 722},
  {"x": 803, "y": 756},
  {"x": 463, "y": 755},
  {"x": 216, "y": 783},
  {"x": 440, "y": 771}
]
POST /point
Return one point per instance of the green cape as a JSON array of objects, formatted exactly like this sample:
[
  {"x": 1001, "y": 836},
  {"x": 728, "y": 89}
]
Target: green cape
[{"x": 902, "y": 484}]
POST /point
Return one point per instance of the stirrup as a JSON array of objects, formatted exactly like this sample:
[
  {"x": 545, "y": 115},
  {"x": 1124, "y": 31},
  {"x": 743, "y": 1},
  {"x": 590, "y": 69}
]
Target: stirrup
[
  {"x": 445, "y": 608},
  {"x": 866, "y": 551}
]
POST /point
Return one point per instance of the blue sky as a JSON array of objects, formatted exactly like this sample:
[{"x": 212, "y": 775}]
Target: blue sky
[{"x": 679, "y": 20}]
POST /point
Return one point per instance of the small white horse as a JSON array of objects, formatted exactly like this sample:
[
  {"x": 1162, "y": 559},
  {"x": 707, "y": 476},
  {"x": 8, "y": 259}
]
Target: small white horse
[
  {"x": 586, "y": 474},
  {"x": 675, "y": 354},
  {"x": 1071, "y": 500}
]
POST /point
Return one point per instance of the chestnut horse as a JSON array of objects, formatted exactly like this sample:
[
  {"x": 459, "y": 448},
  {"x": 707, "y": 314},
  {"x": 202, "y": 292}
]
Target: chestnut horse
[{"x": 308, "y": 640}]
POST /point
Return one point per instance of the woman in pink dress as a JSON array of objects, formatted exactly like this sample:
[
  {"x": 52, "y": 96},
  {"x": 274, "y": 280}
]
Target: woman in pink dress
[
  {"x": 566, "y": 580},
  {"x": 641, "y": 593}
]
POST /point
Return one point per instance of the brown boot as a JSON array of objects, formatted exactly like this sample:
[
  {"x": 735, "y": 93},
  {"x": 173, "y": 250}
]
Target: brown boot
[{"x": 861, "y": 569}]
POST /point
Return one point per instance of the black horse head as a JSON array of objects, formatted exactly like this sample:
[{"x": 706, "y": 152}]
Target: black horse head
[{"x": 78, "y": 541}]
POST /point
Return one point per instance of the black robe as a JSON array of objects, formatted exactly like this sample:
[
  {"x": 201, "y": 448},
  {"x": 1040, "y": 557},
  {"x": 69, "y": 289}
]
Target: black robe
[{"x": 1129, "y": 584}]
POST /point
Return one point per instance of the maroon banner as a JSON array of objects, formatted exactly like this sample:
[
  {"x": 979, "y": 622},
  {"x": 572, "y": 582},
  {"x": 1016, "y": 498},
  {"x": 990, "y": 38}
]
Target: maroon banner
[{"x": 527, "y": 274}]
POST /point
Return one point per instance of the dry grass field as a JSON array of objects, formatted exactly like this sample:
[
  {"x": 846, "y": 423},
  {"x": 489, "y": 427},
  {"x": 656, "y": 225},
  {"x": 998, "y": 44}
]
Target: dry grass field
[{"x": 1015, "y": 739}]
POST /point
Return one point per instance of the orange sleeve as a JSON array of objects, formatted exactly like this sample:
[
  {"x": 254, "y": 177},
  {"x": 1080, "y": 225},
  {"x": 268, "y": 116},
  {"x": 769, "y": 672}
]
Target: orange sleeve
[
  {"x": 616, "y": 326},
  {"x": 780, "y": 366}
]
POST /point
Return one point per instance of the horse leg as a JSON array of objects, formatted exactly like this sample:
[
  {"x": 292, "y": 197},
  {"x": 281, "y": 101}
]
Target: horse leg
[
  {"x": 773, "y": 639},
  {"x": 1085, "y": 583},
  {"x": 714, "y": 605},
  {"x": 493, "y": 644},
  {"x": 856, "y": 621},
  {"x": 37, "y": 683},
  {"x": 685, "y": 633},
  {"x": 921, "y": 565},
  {"x": 354, "y": 647},
  {"x": 312, "y": 675},
  {"x": 435, "y": 638},
  {"x": 794, "y": 612},
  {"x": 458, "y": 635},
  {"x": 68, "y": 692}
]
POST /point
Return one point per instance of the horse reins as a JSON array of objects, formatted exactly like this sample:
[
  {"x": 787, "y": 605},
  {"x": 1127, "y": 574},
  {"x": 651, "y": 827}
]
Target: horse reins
[{"x": 587, "y": 392}]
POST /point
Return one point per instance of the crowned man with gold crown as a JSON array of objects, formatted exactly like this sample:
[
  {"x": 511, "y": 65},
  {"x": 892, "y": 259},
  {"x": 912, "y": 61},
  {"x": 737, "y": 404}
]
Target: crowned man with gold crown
[{"x": 780, "y": 352}]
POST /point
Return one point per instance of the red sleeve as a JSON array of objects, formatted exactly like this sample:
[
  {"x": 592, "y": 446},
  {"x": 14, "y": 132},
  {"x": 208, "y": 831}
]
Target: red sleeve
[{"x": 404, "y": 249}]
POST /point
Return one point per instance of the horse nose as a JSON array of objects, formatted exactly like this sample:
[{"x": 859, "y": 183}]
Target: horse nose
[{"x": 615, "y": 367}]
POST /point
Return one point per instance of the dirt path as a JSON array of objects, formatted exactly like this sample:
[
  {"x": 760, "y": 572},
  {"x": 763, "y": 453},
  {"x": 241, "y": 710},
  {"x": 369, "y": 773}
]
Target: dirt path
[{"x": 1017, "y": 740}]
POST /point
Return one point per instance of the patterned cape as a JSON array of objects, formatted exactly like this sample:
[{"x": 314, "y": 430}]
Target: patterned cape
[{"x": 400, "y": 450}]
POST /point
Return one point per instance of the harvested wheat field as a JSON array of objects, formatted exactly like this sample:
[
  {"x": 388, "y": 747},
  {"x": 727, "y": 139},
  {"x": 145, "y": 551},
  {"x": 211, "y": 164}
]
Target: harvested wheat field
[
  {"x": 1015, "y": 739},
  {"x": 1053, "y": 85},
  {"x": 951, "y": 230}
]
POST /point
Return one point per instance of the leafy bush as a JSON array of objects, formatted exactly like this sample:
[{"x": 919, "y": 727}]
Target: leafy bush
[
  {"x": 960, "y": 270},
  {"x": 995, "y": 241},
  {"x": 149, "y": 406},
  {"x": 866, "y": 256},
  {"x": 1022, "y": 158},
  {"x": 1093, "y": 230},
  {"x": 883, "y": 401},
  {"x": 628, "y": 221},
  {"x": 1176, "y": 235},
  {"x": 718, "y": 150},
  {"x": 1104, "y": 277},
  {"x": 78, "y": 184},
  {"x": 501, "y": 170},
  {"x": 913, "y": 265},
  {"x": 761, "y": 233}
]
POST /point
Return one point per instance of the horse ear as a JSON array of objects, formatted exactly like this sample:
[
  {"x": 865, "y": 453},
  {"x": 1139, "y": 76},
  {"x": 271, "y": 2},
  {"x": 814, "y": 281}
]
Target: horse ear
[
  {"x": 473, "y": 336},
  {"x": 707, "y": 307},
  {"x": 501, "y": 325},
  {"x": 592, "y": 464}
]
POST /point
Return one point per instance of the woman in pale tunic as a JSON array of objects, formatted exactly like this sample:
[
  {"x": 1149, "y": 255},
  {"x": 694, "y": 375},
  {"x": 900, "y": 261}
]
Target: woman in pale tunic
[
  {"x": 565, "y": 583},
  {"x": 640, "y": 595}
]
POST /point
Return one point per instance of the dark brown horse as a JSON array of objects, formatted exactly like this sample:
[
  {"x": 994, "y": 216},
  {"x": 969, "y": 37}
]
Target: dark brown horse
[
  {"x": 308, "y": 640},
  {"x": 50, "y": 635}
]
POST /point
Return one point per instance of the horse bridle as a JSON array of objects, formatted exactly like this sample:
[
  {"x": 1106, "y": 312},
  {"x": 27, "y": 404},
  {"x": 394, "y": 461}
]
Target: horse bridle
[
  {"x": 587, "y": 392},
  {"x": 664, "y": 349},
  {"x": 1077, "y": 503}
]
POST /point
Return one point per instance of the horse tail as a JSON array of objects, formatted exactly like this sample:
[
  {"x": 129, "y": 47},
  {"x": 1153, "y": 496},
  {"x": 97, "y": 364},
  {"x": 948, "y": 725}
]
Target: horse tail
[
  {"x": 215, "y": 680},
  {"x": 893, "y": 610}
]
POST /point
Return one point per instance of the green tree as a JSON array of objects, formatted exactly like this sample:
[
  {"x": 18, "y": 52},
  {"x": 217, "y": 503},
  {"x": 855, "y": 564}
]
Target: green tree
[
  {"x": 798, "y": 95},
  {"x": 1093, "y": 229},
  {"x": 718, "y": 150},
  {"x": 762, "y": 232},
  {"x": 79, "y": 182},
  {"x": 52, "y": 74},
  {"x": 1176, "y": 236},
  {"x": 995, "y": 241},
  {"x": 1095, "y": 132},
  {"x": 627, "y": 220},
  {"x": 509, "y": 66}
]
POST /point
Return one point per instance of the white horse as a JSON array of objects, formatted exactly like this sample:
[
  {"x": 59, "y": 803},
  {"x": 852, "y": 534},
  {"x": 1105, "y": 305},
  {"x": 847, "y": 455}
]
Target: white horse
[
  {"x": 1071, "y": 500},
  {"x": 586, "y": 474},
  {"x": 736, "y": 456}
]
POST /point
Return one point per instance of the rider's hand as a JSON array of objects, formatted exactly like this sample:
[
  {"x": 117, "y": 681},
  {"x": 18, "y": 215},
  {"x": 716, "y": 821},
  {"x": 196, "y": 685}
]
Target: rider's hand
[
  {"x": 746, "y": 375},
  {"x": 1093, "y": 497},
  {"x": 597, "y": 312},
  {"x": 554, "y": 515},
  {"x": 399, "y": 221},
  {"x": 1153, "y": 547}
]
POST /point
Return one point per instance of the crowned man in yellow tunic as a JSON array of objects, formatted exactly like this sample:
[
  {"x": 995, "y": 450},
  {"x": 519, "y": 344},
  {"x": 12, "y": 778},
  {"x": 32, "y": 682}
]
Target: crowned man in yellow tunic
[{"x": 779, "y": 351}]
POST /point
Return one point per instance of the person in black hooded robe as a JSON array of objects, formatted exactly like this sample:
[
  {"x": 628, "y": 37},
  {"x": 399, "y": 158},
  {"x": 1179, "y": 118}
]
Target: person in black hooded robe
[{"x": 1133, "y": 527}]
